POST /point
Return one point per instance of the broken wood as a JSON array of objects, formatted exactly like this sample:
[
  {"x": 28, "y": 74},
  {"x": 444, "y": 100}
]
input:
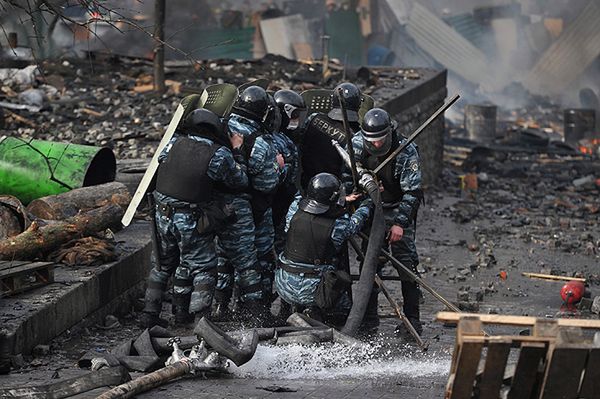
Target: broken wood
[
  {"x": 19, "y": 118},
  {"x": 91, "y": 112},
  {"x": 400, "y": 314},
  {"x": 65, "y": 205},
  {"x": 552, "y": 277},
  {"x": 38, "y": 240},
  {"x": 72, "y": 386}
]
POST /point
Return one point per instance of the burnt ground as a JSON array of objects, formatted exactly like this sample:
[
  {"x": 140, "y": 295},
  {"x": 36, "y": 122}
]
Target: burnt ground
[{"x": 530, "y": 213}]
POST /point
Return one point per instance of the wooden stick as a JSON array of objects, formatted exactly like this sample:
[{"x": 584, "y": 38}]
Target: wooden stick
[
  {"x": 400, "y": 314},
  {"x": 19, "y": 118},
  {"x": 552, "y": 277},
  {"x": 510, "y": 320}
]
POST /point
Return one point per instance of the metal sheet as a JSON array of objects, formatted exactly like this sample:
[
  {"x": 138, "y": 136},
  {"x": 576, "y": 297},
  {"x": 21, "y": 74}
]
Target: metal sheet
[
  {"x": 450, "y": 48},
  {"x": 569, "y": 56},
  {"x": 279, "y": 34}
]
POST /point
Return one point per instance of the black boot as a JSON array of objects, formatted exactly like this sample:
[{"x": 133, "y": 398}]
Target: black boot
[
  {"x": 221, "y": 311},
  {"x": 411, "y": 295},
  {"x": 370, "y": 321},
  {"x": 181, "y": 309},
  {"x": 151, "y": 319}
]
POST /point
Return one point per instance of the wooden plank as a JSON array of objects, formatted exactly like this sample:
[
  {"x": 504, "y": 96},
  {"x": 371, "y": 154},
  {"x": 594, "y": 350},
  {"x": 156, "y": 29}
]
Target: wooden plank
[
  {"x": 524, "y": 321},
  {"x": 545, "y": 328},
  {"x": 495, "y": 363},
  {"x": 9, "y": 264},
  {"x": 24, "y": 268},
  {"x": 590, "y": 386},
  {"x": 467, "y": 326},
  {"x": 563, "y": 373},
  {"x": 26, "y": 277},
  {"x": 515, "y": 340},
  {"x": 466, "y": 370},
  {"x": 525, "y": 379},
  {"x": 552, "y": 277}
]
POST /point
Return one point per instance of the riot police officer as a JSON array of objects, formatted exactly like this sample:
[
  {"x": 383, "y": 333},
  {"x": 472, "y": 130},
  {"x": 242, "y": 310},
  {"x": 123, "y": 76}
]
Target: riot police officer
[
  {"x": 248, "y": 243},
  {"x": 293, "y": 113},
  {"x": 187, "y": 214},
  {"x": 401, "y": 197},
  {"x": 308, "y": 274}
]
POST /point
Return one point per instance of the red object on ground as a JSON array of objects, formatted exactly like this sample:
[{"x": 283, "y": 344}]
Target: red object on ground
[{"x": 572, "y": 292}]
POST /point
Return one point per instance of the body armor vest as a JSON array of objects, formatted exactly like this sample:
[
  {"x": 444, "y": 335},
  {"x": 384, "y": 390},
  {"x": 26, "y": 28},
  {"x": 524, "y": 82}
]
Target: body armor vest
[
  {"x": 318, "y": 155},
  {"x": 309, "y": 239},
  {"x": 183, "y": 174},
  {"x": 392, "y": 190}
]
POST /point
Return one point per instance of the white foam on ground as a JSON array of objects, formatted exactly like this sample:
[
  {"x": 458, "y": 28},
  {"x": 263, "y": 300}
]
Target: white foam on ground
[{"x": 325, "y": 362}]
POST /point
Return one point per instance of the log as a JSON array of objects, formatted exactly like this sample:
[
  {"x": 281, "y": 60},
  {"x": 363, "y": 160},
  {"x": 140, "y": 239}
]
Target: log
[
  {"x": 39, "y": 240},
  {"x": 66, "y": 205},
  {"x": 72, "y": 386},
  {"x": 13, "y": 219}
]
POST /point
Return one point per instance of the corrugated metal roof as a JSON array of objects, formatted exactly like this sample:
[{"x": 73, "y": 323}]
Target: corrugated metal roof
[
  {"x": 468, "y": 27},
  {"x": 575, "y": 49},
  {"x": 449, "y": 48}
]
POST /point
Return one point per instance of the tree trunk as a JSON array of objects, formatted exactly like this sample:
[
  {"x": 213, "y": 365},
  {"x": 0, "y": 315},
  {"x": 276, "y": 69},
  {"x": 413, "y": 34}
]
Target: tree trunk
[
  {"x": 39, "y": 240},
  {"x": 159, "y": 48},
  {"x": 66, "y": 205},
  {"x": 13, "y": 218}
]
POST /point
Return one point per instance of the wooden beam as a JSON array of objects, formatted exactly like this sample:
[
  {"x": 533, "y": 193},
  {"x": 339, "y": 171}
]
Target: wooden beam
[
  {"x": 521, "y": 321},
  {"x": 590, "y": 386},
  {"x": 495, "y": 363},
  {"x": 524, "y": 380},
  {"x": 552, "y": 277},
  {"x": 466, "y": 370},
  {"x": 563, "y": 374}
]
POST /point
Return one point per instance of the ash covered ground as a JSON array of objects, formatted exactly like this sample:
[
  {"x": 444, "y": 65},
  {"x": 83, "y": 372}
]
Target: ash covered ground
[{"x": 530, "y": 213}]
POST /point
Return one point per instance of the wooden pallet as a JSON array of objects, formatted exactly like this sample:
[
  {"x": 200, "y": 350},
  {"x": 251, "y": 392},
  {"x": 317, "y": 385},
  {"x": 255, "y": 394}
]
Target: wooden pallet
[
  {"x": 19, "y": 276},
  {"x": 555, "y": 361}
]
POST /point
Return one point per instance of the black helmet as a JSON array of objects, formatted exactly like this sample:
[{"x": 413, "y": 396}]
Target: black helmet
[
  {"x": 324, "y": 192},
  {"x": 252, "y": 103},
  {"x": 376, "y": 131},
  {"x": 292, "y": 108},
  {"x": 200, "y": 120},
  {"x": 352, "y": 99}
]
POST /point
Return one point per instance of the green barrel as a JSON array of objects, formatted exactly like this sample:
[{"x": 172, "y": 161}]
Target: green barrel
[{"x": 31, "y": 169}]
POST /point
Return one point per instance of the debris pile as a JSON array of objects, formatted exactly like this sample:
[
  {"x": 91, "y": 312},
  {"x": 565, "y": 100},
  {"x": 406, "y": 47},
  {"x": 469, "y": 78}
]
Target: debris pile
[{"x": 63, "y": 227}]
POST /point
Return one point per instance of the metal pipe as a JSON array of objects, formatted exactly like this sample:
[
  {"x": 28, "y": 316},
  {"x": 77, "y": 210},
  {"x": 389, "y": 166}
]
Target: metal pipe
[{"x": 31, "y": 169}]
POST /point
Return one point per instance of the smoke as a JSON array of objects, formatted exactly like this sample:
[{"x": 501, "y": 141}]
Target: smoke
[{"x": 513, "y": 35}]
